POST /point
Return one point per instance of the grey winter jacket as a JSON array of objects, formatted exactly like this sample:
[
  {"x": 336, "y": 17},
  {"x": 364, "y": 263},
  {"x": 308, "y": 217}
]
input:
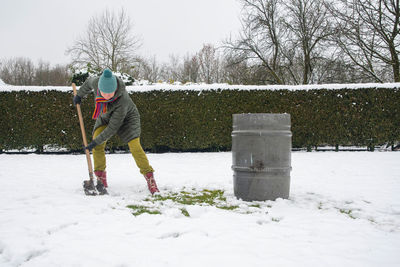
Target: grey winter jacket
[{"x": 122, "y": 116}]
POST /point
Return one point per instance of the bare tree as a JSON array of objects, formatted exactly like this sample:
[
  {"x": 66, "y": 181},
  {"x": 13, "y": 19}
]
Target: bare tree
[
  {"x": 209, "y": 64},
  {"x": 172, "y": 71},
  {"x": 108, "y": 42},
  {"x": 236, "y": 70},
  {"x": 150, "y": 69},
  {"x": 42, "y": 73},
  {"x": 308, "y": 27},
  {"x": 46, "y": 75},
  {"x": 18, "y": 71},
  {"x": 260, "y": 38},
  {"x": 60, "y": 75},
  {"x": 190, "y": 70},
  {"x": 285, "y": 37},
  {"x": 22, "y": 71},
  {"x": 369, "y": 35}
]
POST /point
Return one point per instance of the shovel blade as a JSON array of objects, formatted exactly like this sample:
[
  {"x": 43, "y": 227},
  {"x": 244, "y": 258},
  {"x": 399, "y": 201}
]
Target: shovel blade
[{"x": 89, "y": 188}]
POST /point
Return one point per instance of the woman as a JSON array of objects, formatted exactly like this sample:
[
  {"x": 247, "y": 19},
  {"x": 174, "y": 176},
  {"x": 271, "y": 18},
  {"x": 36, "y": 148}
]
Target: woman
[{"x": 115, "y": 113}]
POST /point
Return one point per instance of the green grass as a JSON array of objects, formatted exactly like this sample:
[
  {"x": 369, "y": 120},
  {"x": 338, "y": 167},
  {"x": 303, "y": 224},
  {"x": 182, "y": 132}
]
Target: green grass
[
  {"x": 185, "y": 212},
  {"x": 181, "y": 199},
  {"x": 347, "y": 212},
  {"x": 227, "y": 207},
  {"x": 139, "y": 210},
  {"x": 205, "y": 196}
]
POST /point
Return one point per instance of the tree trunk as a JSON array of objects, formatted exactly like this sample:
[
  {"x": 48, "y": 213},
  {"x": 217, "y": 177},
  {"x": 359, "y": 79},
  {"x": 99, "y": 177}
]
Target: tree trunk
[
  {"x": 395, "y": 64},
  {"x": 307, "y": 68}
]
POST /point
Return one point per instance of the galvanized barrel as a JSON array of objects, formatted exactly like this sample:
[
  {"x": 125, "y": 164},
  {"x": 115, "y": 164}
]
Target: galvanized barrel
[{"x": 261, "y": 156}]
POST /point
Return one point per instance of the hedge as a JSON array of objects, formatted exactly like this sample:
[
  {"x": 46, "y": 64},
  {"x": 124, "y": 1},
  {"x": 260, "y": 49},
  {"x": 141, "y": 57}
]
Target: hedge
[{"x": 187, "y": 120}]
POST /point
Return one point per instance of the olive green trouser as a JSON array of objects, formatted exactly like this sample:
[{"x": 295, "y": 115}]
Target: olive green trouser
[{"x": 99, "y": 155}]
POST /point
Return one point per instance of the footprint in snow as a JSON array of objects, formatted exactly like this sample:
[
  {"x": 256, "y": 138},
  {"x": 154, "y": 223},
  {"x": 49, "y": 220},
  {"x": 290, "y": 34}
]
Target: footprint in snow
[{"x": 171, "y": 235}]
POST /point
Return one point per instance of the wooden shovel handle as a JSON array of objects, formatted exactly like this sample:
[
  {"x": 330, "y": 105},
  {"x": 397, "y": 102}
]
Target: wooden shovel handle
[{"x": 89, "y": 161}]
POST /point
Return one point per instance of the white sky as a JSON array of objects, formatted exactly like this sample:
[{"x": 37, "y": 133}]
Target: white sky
[{"x": 43, "y": 29}]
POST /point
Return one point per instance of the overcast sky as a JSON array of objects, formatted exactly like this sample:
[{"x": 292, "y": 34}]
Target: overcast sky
[{"x": 43, "y": 29}]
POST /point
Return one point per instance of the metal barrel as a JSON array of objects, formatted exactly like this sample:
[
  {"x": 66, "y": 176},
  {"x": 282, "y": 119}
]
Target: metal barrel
[{"x": 261, "y": 156}]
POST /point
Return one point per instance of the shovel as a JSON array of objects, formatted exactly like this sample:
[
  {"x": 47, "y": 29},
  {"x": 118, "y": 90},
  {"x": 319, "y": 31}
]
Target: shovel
[{"x": 88, "y": 185}]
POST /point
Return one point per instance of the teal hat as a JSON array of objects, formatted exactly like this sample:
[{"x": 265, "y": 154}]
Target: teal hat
[{"x": 107, "y": 82}]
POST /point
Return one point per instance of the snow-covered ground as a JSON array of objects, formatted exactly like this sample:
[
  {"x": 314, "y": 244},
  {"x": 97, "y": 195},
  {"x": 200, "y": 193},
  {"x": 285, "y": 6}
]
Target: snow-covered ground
[{"x": 343, "y": 210}]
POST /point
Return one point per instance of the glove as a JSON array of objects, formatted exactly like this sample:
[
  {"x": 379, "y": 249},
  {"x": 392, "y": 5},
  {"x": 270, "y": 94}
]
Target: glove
[
  {"x": 76, "y": 100},
  {"x": 91, "y": 146}
]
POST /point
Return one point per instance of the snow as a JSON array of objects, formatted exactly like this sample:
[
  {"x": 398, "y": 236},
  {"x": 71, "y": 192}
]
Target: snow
[
  {"x": 343, "y": 210},
  {"x": 2, "y": 83},
  {"x": 201, "y": 87}
]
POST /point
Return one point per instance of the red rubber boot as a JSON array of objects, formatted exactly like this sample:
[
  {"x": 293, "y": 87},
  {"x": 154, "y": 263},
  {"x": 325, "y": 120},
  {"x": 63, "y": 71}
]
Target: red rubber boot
[
  {"x": 151, "y": 183},
  {"x": 102, "y": 176}
]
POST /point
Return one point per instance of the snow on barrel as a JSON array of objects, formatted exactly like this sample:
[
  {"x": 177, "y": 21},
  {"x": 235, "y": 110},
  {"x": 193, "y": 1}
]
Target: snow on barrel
[{"x": 261, "y": 156}]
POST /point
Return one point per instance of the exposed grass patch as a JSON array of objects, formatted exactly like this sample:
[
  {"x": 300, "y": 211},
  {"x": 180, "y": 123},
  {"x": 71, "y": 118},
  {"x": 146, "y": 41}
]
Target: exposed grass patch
[
  {"x": 227, "y": 207},
  {"x": 347, "y": 212},
  {"x": 139, "y": 209},
  {"x": 209, "y": 197},
  {"x": 185, "y": 212},
  {"x": 184, "y": 198}
]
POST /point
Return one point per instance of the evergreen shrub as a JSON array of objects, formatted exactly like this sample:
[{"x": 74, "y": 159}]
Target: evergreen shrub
[{"x": 202, "y": 120}]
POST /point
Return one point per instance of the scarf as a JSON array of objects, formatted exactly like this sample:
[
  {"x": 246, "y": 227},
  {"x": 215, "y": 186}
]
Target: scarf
[{"x": 101, "y": 104}]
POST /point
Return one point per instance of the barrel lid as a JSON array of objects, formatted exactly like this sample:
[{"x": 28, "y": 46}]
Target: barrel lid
[{"x": 261, "y": 121}]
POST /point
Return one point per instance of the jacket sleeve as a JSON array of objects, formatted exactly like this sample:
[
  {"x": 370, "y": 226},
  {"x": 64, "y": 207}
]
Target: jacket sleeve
[
  {"x": 86, "y": 87},
  {"x": 116, "y": 120}
]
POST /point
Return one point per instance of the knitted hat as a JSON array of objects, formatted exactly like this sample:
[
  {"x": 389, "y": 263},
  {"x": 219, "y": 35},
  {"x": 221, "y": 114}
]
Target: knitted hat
[{"x": 107, "y": 82}]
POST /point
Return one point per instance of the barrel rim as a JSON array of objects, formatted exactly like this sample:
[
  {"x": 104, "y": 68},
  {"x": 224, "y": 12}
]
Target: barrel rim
[{"x": 264, "y": 169}]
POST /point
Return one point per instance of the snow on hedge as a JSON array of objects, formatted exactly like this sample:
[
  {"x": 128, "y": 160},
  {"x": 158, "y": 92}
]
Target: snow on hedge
[{"x": 143, "y": 87}]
